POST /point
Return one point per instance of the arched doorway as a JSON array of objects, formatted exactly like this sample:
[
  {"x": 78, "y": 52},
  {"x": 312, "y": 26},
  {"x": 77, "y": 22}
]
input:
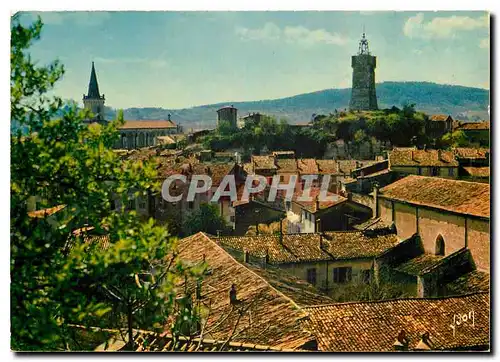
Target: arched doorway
[{"x": 440, "y": 245}]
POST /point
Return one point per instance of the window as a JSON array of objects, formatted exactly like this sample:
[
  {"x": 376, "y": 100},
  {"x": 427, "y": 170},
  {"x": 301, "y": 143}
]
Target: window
[
  {"x": 419, "y": 171},
  {"x": 440, "y": 245},
  {"x": 311, "y": 276},
  {"x": 365, "y": 276},
  {"x": 142, "y": 204},
  {"x": 450, "y": 171},
  {"x": 342, "y": 275},
  {"x": 434, "y": 171},
  {"x": 231, "y": 218},
  {"x": 190, "y": 205},
  {"x": 131, "y": 205}
]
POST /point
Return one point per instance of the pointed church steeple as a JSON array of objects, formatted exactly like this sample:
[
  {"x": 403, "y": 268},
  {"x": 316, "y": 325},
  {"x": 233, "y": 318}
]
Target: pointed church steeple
[
  {"x": 93, "y": 86},
  {"x": 93, "y": 99}
]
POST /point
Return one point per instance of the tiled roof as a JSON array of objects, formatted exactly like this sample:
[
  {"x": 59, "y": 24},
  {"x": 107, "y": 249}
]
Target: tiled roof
[
  {"x": 478, "y": 171},
  {"x": 422, "y": 158},
  {"x": 312, "y": 206},
  {"x": 356, "y": 244},
  {"x": 271, "y": 318},
  {"x": 263, "y": 162},
  {"x": 471, "y": 153},
  {"x": 142, "y": 124},
  {"x": 419, "y": 265},
  {"x": 330, "y": 167},
  {"x": 299, "y": 248},
  {"x": 438, "y": 117},
  {"x": 375, "y": 326},
  {"x": 471, "y": 198},
  {"x": 40, "y": 214},
  {"x": 307, "y": 166},
  {"x": 372, "y": 224},
  {"x": 293, "y": 287},
  {"x": 286, "y": 165},
  {"x": 472, "y": 126},
  {"x": 472, "y": 282},
  {"x": 283, "y": 153}
]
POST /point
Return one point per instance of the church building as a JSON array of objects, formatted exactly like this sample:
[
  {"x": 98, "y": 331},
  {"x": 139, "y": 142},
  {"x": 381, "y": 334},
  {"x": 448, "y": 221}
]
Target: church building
[{"x": 134, "y": 133}]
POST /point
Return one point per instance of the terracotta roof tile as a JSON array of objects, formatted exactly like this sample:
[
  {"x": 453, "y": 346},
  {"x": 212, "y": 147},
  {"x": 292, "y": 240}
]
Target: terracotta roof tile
[
  {"x": 307, "y": 166},
  {"x": 356, "y": 244},
  {"x": 263, "y": 163},
  {"x": 374, "y": 326},
  {"x": 471, "y": 153},
  {"x": 472, "y": 126},
  {"x": 471, "y": 198},
  {"x": 472, "y": 282},
  {"x": 312, "y": 206},
  {"x": 139, "y": 124},
  {"x": 478, "y": 171},
  {"x": 422, "y": 158},
  {"x": 286, "y": 165},
  {"x": 418, "y": 265},
  {"x": 275, "y": 318},
  {"x": 439, "y": 117}
]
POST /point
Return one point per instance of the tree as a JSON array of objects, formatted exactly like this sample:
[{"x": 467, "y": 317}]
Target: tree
[
  {"x": 455, "y": 139},
  {"x": 61, "y": 277},
  {"x": 207, "y": 219}
]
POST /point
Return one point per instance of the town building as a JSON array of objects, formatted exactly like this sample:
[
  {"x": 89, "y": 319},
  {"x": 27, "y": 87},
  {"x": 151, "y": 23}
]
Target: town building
[
  {"x": 93, "y": 101},
  {"x": 437, "y": 125},
  {"x": 448, "y": 215},
  {"x": 363, "y": 64},
  {"x": 227, "y": 114},
  {"x": 327, "y": 260},
  {"x": 476, "y": 132},
  {"x": 412, "y": 161}
]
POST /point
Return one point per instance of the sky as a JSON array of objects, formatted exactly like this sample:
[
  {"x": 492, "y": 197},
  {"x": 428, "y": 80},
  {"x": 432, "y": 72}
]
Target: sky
[{"x": 183, "y": 59}]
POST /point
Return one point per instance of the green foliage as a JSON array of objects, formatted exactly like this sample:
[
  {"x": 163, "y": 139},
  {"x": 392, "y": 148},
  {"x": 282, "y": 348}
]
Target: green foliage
[
  {"x": 207, "y": 219},
  {"x": 455, "y": 139},
  {"x": 57, "y": 277}
]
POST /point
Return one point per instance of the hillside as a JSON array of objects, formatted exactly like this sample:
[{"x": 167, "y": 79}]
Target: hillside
[{"x": 461, "y": 102}]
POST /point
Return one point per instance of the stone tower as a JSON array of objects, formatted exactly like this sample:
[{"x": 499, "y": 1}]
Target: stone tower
[
  {"x": 93, "y": 100},
  {"x": 363, "y": 64},
  {"x": 228, "y": 114}
]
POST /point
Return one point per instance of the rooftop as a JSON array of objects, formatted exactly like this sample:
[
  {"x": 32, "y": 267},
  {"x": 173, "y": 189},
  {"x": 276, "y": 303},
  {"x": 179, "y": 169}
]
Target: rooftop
[
  {"x": 471, "y": 153},
  {"x": 423, "y": 158},
  {"x": 40, "y": 214},
  {"x": 270, "y": 317},
  {"x": 470, "y": 198},
  {"x": 148, "y": 124},
  {"x": 472, "y": 126},
  {"x": 439, "y": 117},
  {"x": 313, "y": 206},
  {"x": 419, "y": 264},
  {"x": 298, "y": 248},
  {"x": 471, "y": 282},
  {"x": 263, "y": 162},
  {"x": 375, "y": 326},
  {"x": 478, "y": 171}
]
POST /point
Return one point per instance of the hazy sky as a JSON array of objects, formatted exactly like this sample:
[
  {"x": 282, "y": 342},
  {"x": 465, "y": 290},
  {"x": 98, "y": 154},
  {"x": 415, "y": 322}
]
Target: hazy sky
[{"x": 183, "y": 59}]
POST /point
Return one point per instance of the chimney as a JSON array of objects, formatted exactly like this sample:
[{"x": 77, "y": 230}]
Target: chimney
[
  {"x": 245, "y": 256},
  {"x": 401, "y": 343},
  {"x": 218, "y": 233},
  {"x": 317, "y": 203},
  {"x": 168, "y": 117},
  {"x": 232, "y": 295},
  {"x": 412, "y": 156},
  {"x": 375, "y": 199},
  {"x": 338, "y": 166},
  {"x": 318, "y": 226},
  {"x": 424, "y": 344}
]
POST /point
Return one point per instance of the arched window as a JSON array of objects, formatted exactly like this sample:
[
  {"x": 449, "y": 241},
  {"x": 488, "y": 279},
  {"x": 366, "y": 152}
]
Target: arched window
[{"x": 439, "y": 245}]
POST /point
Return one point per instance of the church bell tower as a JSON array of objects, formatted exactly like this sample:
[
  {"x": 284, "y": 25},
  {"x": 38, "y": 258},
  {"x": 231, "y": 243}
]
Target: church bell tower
[
  {"x": 93, "y": 100},
  {"x": 363, "y": 64}
]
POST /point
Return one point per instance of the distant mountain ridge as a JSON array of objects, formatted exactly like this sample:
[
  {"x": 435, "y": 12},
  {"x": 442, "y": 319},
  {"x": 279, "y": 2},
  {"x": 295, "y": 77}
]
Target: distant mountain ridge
[{"x": 459, "y": 101}]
